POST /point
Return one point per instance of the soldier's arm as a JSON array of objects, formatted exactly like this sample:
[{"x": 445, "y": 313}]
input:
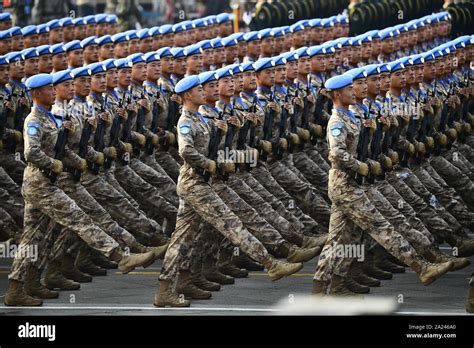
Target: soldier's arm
[
  {"x": 186, "y": 146},
  {"x": 71, "y": 159},
  {"x": 34, "y": 153},
  {"x": 337, "y": 136}
]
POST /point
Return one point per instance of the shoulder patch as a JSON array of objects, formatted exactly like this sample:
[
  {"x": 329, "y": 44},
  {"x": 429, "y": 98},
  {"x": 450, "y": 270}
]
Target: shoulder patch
[
  {"x": 33, "y": 124},
  {"x": 32, "y": 131},
  {"x": 336, "y": 129},
  {"x": 184, "y": 127}
]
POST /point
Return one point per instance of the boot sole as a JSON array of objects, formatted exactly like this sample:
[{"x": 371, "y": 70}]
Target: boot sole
[
  {"x": 52, "y": 287},
  {"x": 275, "y": 278},
  {"x": 22, "y": 305},
  {"x": 168, "y": 305},
  {"x": 131, "y": 268}
]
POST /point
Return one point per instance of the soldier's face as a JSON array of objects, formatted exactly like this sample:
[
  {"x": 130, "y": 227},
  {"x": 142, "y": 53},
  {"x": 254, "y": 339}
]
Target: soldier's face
[
  {"x": 397, "y": 79},
  {"x": 139, "y": 72},
  {"x": 99, "y": 82},
  {"x": 298, "y": 38},
  {"x": 44, "y": 95},
  {"x": 387, "y": 45},
  {"x": 91, "y": 29},
  {"x": 346, "y": 95},
  {"x": 253, "y": 48},
  {"x": 133, "y": 46},
  {"x": 167, "y": 65},
  {"x": 317, "y": 35},
  {"x": 278, "y": 47},
  {"x": 56, "y": 36},
  {"x": 199, "y": 34},
  {"x": 280, "y": 74},
  {"x": 410, "y": 75},
  {"x": 157, "y": 42},
  {"x": 360, "y": 88},
  {"x": 106, "y": 51},
  {"x": 180, "y": 39},
  {"x": 64, "y": 90},
  {"x": 266, "y": 77},
  {"x": 91, "y": 54},
  {"x": 168, "y": 40},
  {"x": 194, "y": 63},
  {"x": 112, "y": 78},
  {"x": 59, "y": 62},
  {"x": 31, "y": 66},
  {"x": 338, "y": 57},
  {"x": 5, "y": 46},
  {"x": 113, "y": 29},
  {"x": 190, "y": 36},
  {"x": 429, "y": 71},
  {"x": 30, "y": 41},
  {"x": 45, "y": 63},
  {"x": 80, "y": 32},
  {"x": 4, "y": 74},
  {"x": 384, "y": 82},
  {"x": 268, "y": 45},
  {"x": 82, "y": 86},
  {"x": 43, "y": 39},
  {"x": 153, "y": 70},
  {"x": 75, "y": 58},
  {"x": 304, "y": 65},
  {"x": 373, "y": 85},
  {"x": 180, "y": 66},
  {"x": 241, "y": 48},
  {"x": 225, "y": 29},
  {"x": 195, "y": 95},
  {"x": 207, "y": 57},
  {"x": 418, "y": 73},
  {"x": 121, "y": 49},
  {"x": 17, "y": 69},
  {"x": 318, "y": 63},
  {"x": 440, "y": 67},
  {"x": 102, "y": 29},
  {"x": 219, "y": 56},
  {"x": 68, "y": 33},
  {"x": 226, "y": 87},
  {"x": 124, "y": 77},
  {"x": 17, "y": 43},
  {"x": 366, "y": 50},
  {"x": 250, "y": 80},
  {"x": 291, "y": 70},
  {"x": 330, "y": 62},
  {"x": 211, "y": 91},
  {"x": 146, "y": 45}
]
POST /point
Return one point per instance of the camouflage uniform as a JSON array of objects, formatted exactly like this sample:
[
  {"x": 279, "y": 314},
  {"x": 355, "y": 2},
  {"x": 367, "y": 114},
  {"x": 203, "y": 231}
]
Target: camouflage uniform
[
  {"x": 198, "y": 201},
  {"x": 45, "y": 200}
]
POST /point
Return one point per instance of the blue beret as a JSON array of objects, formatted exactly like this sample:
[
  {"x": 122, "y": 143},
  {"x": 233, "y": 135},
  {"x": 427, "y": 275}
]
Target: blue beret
[
  {"x": 29, "y": 30},
  {"x": 437, "y": 53},
  {"x": 101, "y": 18},
  {"x": 188, "y": 25},
  {"x": 43, "y": 49},
  {"x": 57, "y": 49},
  {"x": 236, "y": 69},
  {"x": 166, "y": 29},
  {"x": 216, "y": 43},
  {"x": 223, "y": 17},
  {"x": 131, "y": 34},
  {"x": 97, "y": 68},
  {"x": 354, "y": 41},
  {"x": 61, "y": 76},
  {"x": 187, "y": 83},
  {"x": 179, "y": 27},
  {"x": 277, "y": 32},
  {"x": 358, "y": 73},
  {"x": 90, "y": 19},
  {"x": 38, "y": 81},
  {"x": 224, "y": 72},
  {"x": 143, "y": 34},
  {"x": 315, "y": 50},
  {"x": 228, "y": 41},
  {"x": 386, "y": 33},
  {"x": 104, "y": 40},
  {"x": 371, "y": 69},
  {"x": 403, "y": 28},
  {"x": 91, "y": 40},
  {"x": 395, "y": 31},
  {"x": 418, "y": 59},
  {"x": 205, "y": 44},
  {"x": 252, "y": 36},
  {"x": 66, "y": 21},
  {"x": 137, "y": 58},
  {"x": 72, "y": 45},
  {"x": 5, "y": 34},
  {"x": 78, "y": 21},
  {"x": 177, "y": 52},
  {"x": 5, "y": 16},
  {"x": 112, "y": 19},
  {"x": 164, "y": 52},
  {"x": 365, "y": 38},
  {"x": 327, "y": 22},
  {"x": 316, "y": 22},
  {"x": 14, "y": 31},
  {"x": 151, "y": 57},
  {"x": 296, "y": 27},
  {"x": 82, "y": 71},
  {"x": 210, "y": 20},
  {"x": 4, "y": 60},
  {"x": 286, "y": 29},
  {"x": 302, "y": 52},
  {"x": 109, "y": 63},
  {"x": 155, "y": 31},
  {"x": 344, "y": 41},
  {"x": 53, "y": 24},
  {"x": 14, "y": 57},
  {"x": 265, "y": 33},
  {"x": 460, "y": 43},
  {"x": 199, "y": 23},
  {"x": 123, "y": 63},
  {"x": 238, "y": 36},
  {"x": 329, "y": 47},
  {"x": 247, "y": 66},
  {"x": 192, "y": 50},
  {"x": 120, "y": 37},
  {"x": 384, "y": 68},
  {"x": 208, "y": 76},
  {"x": 279, "y": 60},
  {"x": 290, "y": 56},
  {"x": 342, "y": 19},
  {"x": 396, "y": 65},
  {"x": 373, "y": 34},
  {"x": 338, "y": 82},
  {"x": 30, "y": 52},
  {"x": 264, "y": 63},
  {"x": 42, "y": 28},
  {"x": 407, "y": 61}
]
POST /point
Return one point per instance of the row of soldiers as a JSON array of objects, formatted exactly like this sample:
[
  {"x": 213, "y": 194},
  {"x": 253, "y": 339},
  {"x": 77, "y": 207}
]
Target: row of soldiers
[{"x": 281, "y": 205}]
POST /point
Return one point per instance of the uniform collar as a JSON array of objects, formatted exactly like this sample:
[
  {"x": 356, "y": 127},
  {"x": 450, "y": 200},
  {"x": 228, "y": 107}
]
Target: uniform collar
[{"x": 349, "y": 113}]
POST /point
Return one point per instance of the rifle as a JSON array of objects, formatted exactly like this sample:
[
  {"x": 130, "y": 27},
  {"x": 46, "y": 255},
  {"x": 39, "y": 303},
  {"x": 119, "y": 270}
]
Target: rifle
[
  {"x": 293, "y": 120},
  {"x": 3, "y": 117},
  {"x": 376, "y": 144},
  {"x": 171, "y": 118},
  {"x": 114, "y": 134},
  {"x": 214, "y": 141},
  {"x": 243, "y": 131},
  {"x": 282, "y": 131},
  {"x": 18, "y": 121},
  {"x": 411, "y": 130},
  {"x": 444, "y": 118},
  {"x": 59, "y": 150},
  {"x": 99, "y": 138},
  {"x": 139, "y": 127},
  {"x": 154, "y": 126},
  {"x": 268, "y": 123},
  {"x": 363, "y": 147},
  {"x": 127, "y": 128}
]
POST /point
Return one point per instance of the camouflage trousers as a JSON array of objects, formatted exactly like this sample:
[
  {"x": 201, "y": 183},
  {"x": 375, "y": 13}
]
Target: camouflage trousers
[
  {"x": 12, "y": 206},
  {"x": 265, "y": 178},
  {"x": 168, "y": 163},
  {"x": 351, "y": 208},
  {"x": 305, "y": 195},
  {"x": 318, "y": 154},
  {"x": 456, "y": 158},
  {"x": 8, "y": 227},
  {"x": 13, "y": 165},
  {"x": 317, "y": 176},
  {"x": 265, "y": 210},
  {"x": 466, "y": 150},
  {"x": 446, "y": 195},
  {"x": 150, "y": 171},
  {"x": 454, "y": 178},
  {"x": 46, "y": 200},
  {"x": 120, "y": 208},
  {"x": 109, "y": 176},
  {"x": 199, "y": 201}
]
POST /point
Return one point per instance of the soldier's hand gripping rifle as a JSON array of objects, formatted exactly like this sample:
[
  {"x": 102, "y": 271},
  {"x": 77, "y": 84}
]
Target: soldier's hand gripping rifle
[
  {"x": 244, "y": 132},
  {"x": 363, "y": 147},
  {"x": 268, "y": 124},
  {"x": 214, "y": 141},
  {"x": 3, "y": 117},
  {"x": 18, "y": 121},
  {"x": 445, "y": 115},
  {"x": 149, "y": 147},
  {"x": 282, "y": 129},
  {"x": 411, "y": 132},
  {"x": 115, "y": 133},
  {"x": 376, "y": 151},
  {"x": 99, "y": 134},
  {"x": 139, "y": 126},
  {"x": 59, "y": 150},
  {"x": 171, "y": 118},
  {"x": 126, "y": 136}
]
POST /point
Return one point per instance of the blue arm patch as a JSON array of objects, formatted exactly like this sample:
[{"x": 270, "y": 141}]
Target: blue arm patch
[
  {"x": 33, "y": 124},
  {"x": 32, "y": 131},
  {"x": 336, "y": 129},
  {"x": 184, "y": 128}
]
